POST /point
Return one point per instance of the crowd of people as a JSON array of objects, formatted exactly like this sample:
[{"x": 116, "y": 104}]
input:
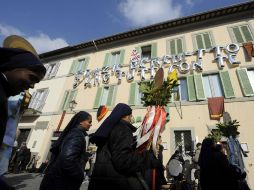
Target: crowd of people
[{"x": 116, "y": 164}]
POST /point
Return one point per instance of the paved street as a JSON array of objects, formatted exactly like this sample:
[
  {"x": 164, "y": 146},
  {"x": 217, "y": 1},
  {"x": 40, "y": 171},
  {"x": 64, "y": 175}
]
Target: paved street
[{"x": 29, "y": 181}]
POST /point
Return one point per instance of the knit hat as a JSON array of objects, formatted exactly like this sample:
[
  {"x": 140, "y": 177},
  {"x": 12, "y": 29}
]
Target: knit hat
[{"x": 102, "y": 111}]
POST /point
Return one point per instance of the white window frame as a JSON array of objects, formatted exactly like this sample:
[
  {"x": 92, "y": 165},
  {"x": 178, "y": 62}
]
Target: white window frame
[
  {"x": 194, "y": 39},
  {"x": 211, "y": 87},
  {"x": 114, "y": 58},
  {"x": 146, "y": 50},
  {"x": 38, "y": 99},
  {"x": 250, "y": 73},
  {"x": 176, "y": 48},
  {"x": 51, "y": 70}
]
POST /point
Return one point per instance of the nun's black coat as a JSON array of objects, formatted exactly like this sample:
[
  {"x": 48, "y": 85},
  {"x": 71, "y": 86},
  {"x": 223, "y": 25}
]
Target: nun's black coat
[
  {"x": 117, "y": 161},
  {"x": 3, "y": 106},
  {"x": 67, "y": 170}
]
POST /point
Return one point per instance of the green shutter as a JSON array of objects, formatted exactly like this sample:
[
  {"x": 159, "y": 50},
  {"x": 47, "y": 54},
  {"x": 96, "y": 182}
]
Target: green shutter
[
  {"x": 139, "y": 50},
  {"x": 97, "y": 100},
  {"x": 154, "y": 50},
  {"x": 199, "y": 87},
  {"x": 172, "y": 47},
  {"x": 106, "y": 60},
  {"x": 111, "y": 96},
  {"x": 66, "y": 93},
  {"x": 191, "y": 88},
  {"x": 207, "y": 40},
  {"x": 73, "y": 66},
  {"x": 179, "y": 46},
  {"x": 226, "y": 84},
  {"x": 238, "y": 36},
  {"x": 122, "y": 52},
  {"x": 200, "y": 44},
  {"x": 246, "y": 33},
  {"x": 132, "y": 94},
  {"x": 85, "y": 64},
  {"x": 244, "y": 81}
]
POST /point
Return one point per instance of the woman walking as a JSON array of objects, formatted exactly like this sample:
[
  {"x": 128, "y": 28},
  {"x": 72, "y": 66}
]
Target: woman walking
[{"x": 66, "y": 167}]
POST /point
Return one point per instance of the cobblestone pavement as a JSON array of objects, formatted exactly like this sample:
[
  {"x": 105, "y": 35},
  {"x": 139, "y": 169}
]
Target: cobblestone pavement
[{"x": 29, "y": 181}]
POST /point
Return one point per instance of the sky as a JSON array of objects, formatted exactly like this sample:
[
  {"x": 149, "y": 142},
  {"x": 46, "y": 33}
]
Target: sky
[{"x": 53, "y": 24}]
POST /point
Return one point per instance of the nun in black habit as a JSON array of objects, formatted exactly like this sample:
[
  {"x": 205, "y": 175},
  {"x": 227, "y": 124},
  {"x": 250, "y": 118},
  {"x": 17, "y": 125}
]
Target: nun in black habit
[
  {"x": 117, "y": 163},
  {"x": 67, "y": 163}
]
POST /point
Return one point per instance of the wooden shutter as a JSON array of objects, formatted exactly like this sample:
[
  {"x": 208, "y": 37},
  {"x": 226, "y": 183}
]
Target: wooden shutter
[
  {"x": 191, "y": 88},
  {"x": 246, "y": 33},
  {"x": 106, "y": 60},
  {"x": 199, "y": 41},
  {"x": 111, "y": 96},
  {"x": 55, "y": 69},
  {"x": 172, "y": 47},
  {"x": 74, "y": 66},
  {"x": 85, "y": 64},
  {"x": 245, "y": 82},
  {"x": 122, "y": 52},
  {"x": 132, "y": 94},
  {"x": 43, "y": 99},
  {"x": 154, "y": 50},
  {"x": 199, "y": 87},
  {"x": 237, "y": 35},
  {"x": 62, "y": 106},
  {"x": 207, "y": 40},
  {"x": 97, "y": 100},
  {"x": 139, "y": 50},
  {"x": 226, "y": 84},
  {"x": 179, "y": 46}
]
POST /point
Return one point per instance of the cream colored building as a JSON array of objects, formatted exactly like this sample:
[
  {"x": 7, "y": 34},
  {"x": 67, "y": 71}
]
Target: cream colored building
[{"x": 186, "y": 44}]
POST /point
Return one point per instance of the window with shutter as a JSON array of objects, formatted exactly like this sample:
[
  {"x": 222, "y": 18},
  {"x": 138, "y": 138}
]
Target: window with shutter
[
  {"x": 245, "y": 81},
  {"x": 105, "y": 96},
  {"x": 203, "y": 40},
  {"x": 191, "y": 88},
  {"x": 69, "y": 96},
  {"x": 38, "y": 99},
  {"x": 135, "y": 95},
  {"x": 242, "y": 34},
  {"x": 175, "y": 46},
  {"x": 212, "y": 86},
  {"x": 199, "y": 87},
  {"x": 51, "y": 70},
  {"x": 146, "y": 52},
  {"x": 180, "y": 91},
  {"x": 114, "y": 59}
]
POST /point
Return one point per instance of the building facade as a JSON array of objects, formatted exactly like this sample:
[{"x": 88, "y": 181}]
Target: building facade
[{"x": 206, "y": 49}]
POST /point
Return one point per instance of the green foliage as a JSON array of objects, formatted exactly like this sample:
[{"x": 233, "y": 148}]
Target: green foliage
[
  {"x": 215, "y": 135},
  {"x": 229, "y": 129},
  {"x": 225, "y": 129},
  {"x": 157, "y": 96}
]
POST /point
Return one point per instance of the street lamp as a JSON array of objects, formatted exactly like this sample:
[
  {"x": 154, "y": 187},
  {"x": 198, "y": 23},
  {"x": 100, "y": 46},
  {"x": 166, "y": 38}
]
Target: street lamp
[{"x": 72, "y": 105}]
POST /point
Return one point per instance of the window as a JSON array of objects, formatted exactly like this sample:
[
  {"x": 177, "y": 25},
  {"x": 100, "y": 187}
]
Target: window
[
  {"x": 183, "y": 140},
  {"x": 38, "y": 99},
  {"x": 175, "y": 46},
  {"x": 251, "y": 78},
  {"x": 114, "y": 58},
  {"x": 69, "y": 96},
  {"x": 146, "y": 52},
  {"x": 212, "y": 86},
  {"x": 135, "y": 95},
  {"x": 180, "y": 91},
  {"x": 105, "y": 96},
  {"x": 246, "y": 79},
  {"x": 203, "y": 41},
  {"x": 51, "y": 70},
  {"x": 241, "y": 34},
  {"x": 79, "y": 65}
]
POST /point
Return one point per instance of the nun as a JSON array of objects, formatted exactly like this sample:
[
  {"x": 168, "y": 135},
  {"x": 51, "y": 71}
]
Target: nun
[
  {"x": 118, "y": 165},
  {"x": 66, "y": 167}
]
